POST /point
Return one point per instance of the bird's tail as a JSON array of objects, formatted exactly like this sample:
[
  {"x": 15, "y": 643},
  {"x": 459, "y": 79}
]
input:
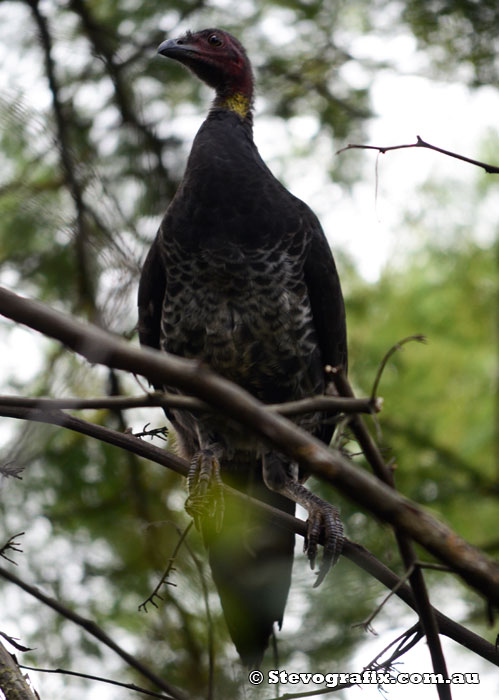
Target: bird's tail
[{"x": 251, "y": 560}]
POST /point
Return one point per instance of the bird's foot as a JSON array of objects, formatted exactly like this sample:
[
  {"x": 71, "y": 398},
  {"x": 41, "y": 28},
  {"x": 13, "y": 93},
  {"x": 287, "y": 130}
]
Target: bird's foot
[
  {"x": 205, "y": 486},
  {"x": 323, "y": 518}
]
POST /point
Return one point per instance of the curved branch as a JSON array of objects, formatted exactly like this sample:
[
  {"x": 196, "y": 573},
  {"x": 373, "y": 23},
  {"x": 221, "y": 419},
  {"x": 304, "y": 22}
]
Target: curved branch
[
  {"x": 98, "y": 346},
  {"x": 395, "y": 348}
]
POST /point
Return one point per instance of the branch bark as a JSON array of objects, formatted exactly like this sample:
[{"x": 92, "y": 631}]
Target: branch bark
[
  {"x": 98, "y": 346},
  {"x": 13, "y": 684}
]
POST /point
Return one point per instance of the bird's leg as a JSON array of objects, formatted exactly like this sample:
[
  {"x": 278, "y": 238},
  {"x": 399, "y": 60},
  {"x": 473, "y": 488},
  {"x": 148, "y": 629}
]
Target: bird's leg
[
  {"x": 204, "y": 483},
  {"x": 322, "y": 516}
]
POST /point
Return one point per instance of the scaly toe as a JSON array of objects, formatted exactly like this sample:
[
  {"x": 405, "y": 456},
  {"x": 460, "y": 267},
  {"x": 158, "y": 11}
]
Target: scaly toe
[
  {"x": 205, "y": 486},
  {"x": 314, "y": 524},
  {"x": 333, "y": 541}
]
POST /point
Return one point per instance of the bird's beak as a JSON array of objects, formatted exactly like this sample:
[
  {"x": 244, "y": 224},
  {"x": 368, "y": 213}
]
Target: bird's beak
[{"x": 176, "y": 48}]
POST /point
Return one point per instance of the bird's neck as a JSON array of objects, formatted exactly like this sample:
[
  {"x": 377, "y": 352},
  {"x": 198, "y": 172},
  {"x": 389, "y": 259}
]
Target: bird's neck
[
  {"x": 235, "y": 102},
  {"x": 237, "y": 97}
]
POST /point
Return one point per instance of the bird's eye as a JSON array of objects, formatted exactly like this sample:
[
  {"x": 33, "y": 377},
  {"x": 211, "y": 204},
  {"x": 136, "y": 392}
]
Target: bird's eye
[{"x": 215, "y": 40}]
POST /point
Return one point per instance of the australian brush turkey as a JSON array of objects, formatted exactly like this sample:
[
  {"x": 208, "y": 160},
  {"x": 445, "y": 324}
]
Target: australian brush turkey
[{"x": 240, "y": 277}]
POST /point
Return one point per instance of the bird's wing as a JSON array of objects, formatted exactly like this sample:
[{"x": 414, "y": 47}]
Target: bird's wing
[
  {"x": 326, "y": 299},
  {"x": 152, "y": 288}
]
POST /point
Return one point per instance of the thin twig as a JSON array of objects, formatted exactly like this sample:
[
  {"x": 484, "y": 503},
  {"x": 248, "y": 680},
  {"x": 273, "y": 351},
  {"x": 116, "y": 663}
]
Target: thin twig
[
  {"x": 15, "y": 643},
  {"x": 165, "y": 399},
  {"x": 433, "y": 566},
  {"x": 420, "y": 143},
  {"x": 160, "y": 433},
  {"x": 413, "y": 631},
  {"x": 366, "y": 624},
  {"x": 407, "y": 639},
  {"x": 65, "y": 672},
  {"x": 398, "y": 346},
  {"x": 167, "y": 572},
  {"x": 13, "y": 546}
]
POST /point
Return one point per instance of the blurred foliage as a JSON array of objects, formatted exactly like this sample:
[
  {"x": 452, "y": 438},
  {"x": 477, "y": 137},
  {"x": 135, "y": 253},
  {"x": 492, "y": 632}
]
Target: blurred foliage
[
  {"x": 101, "y": 524},
  {"x": 467, "y": 30}
]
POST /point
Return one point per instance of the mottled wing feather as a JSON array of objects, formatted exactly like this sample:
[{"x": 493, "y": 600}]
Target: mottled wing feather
[
  {"x": 152, "y": 287},
  {"x": 328, "y": 309},
  {"x": 326, "y": 300}
]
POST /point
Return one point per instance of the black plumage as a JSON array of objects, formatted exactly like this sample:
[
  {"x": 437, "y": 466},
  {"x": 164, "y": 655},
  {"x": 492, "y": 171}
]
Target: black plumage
[{"x": 241, "y": 277}]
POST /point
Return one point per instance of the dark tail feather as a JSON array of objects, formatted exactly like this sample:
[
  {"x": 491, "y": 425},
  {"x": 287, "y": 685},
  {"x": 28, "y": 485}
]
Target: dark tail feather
[{"x": 251, "y": 561}]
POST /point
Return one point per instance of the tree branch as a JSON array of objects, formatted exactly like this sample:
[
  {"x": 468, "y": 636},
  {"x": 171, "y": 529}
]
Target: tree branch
[
  {"x": 68, "y": 166},
  {"x": 13, "y": 684},
  {"x": 92, "y": 628},
  {"x": 98, "y": 346},
  {"x": 123, "y": 92},
  {"x": 65, "y": 672},
  {"x": 163, "y": 581},
  {"x": 356, "y": 553},
  {"x": 406, "y": 547},
  {"x": 492, "y": 169},
  {"x": 165, "y": 399}
]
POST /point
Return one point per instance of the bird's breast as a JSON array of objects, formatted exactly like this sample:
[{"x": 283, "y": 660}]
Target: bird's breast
[{"x": 248, "y": 318}]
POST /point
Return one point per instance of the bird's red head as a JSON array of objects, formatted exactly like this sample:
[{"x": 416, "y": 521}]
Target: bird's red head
[{"x": 220, "y": 61}]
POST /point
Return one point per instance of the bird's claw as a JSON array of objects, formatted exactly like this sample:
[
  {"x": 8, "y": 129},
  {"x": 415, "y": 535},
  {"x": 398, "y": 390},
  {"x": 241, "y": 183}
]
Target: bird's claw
[
  {"x": 323, "y": 517},
  {"x": 205, "y": 486}
]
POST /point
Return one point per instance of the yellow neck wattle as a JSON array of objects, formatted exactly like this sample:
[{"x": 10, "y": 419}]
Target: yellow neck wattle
[{"x": 237, "y": 102}]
